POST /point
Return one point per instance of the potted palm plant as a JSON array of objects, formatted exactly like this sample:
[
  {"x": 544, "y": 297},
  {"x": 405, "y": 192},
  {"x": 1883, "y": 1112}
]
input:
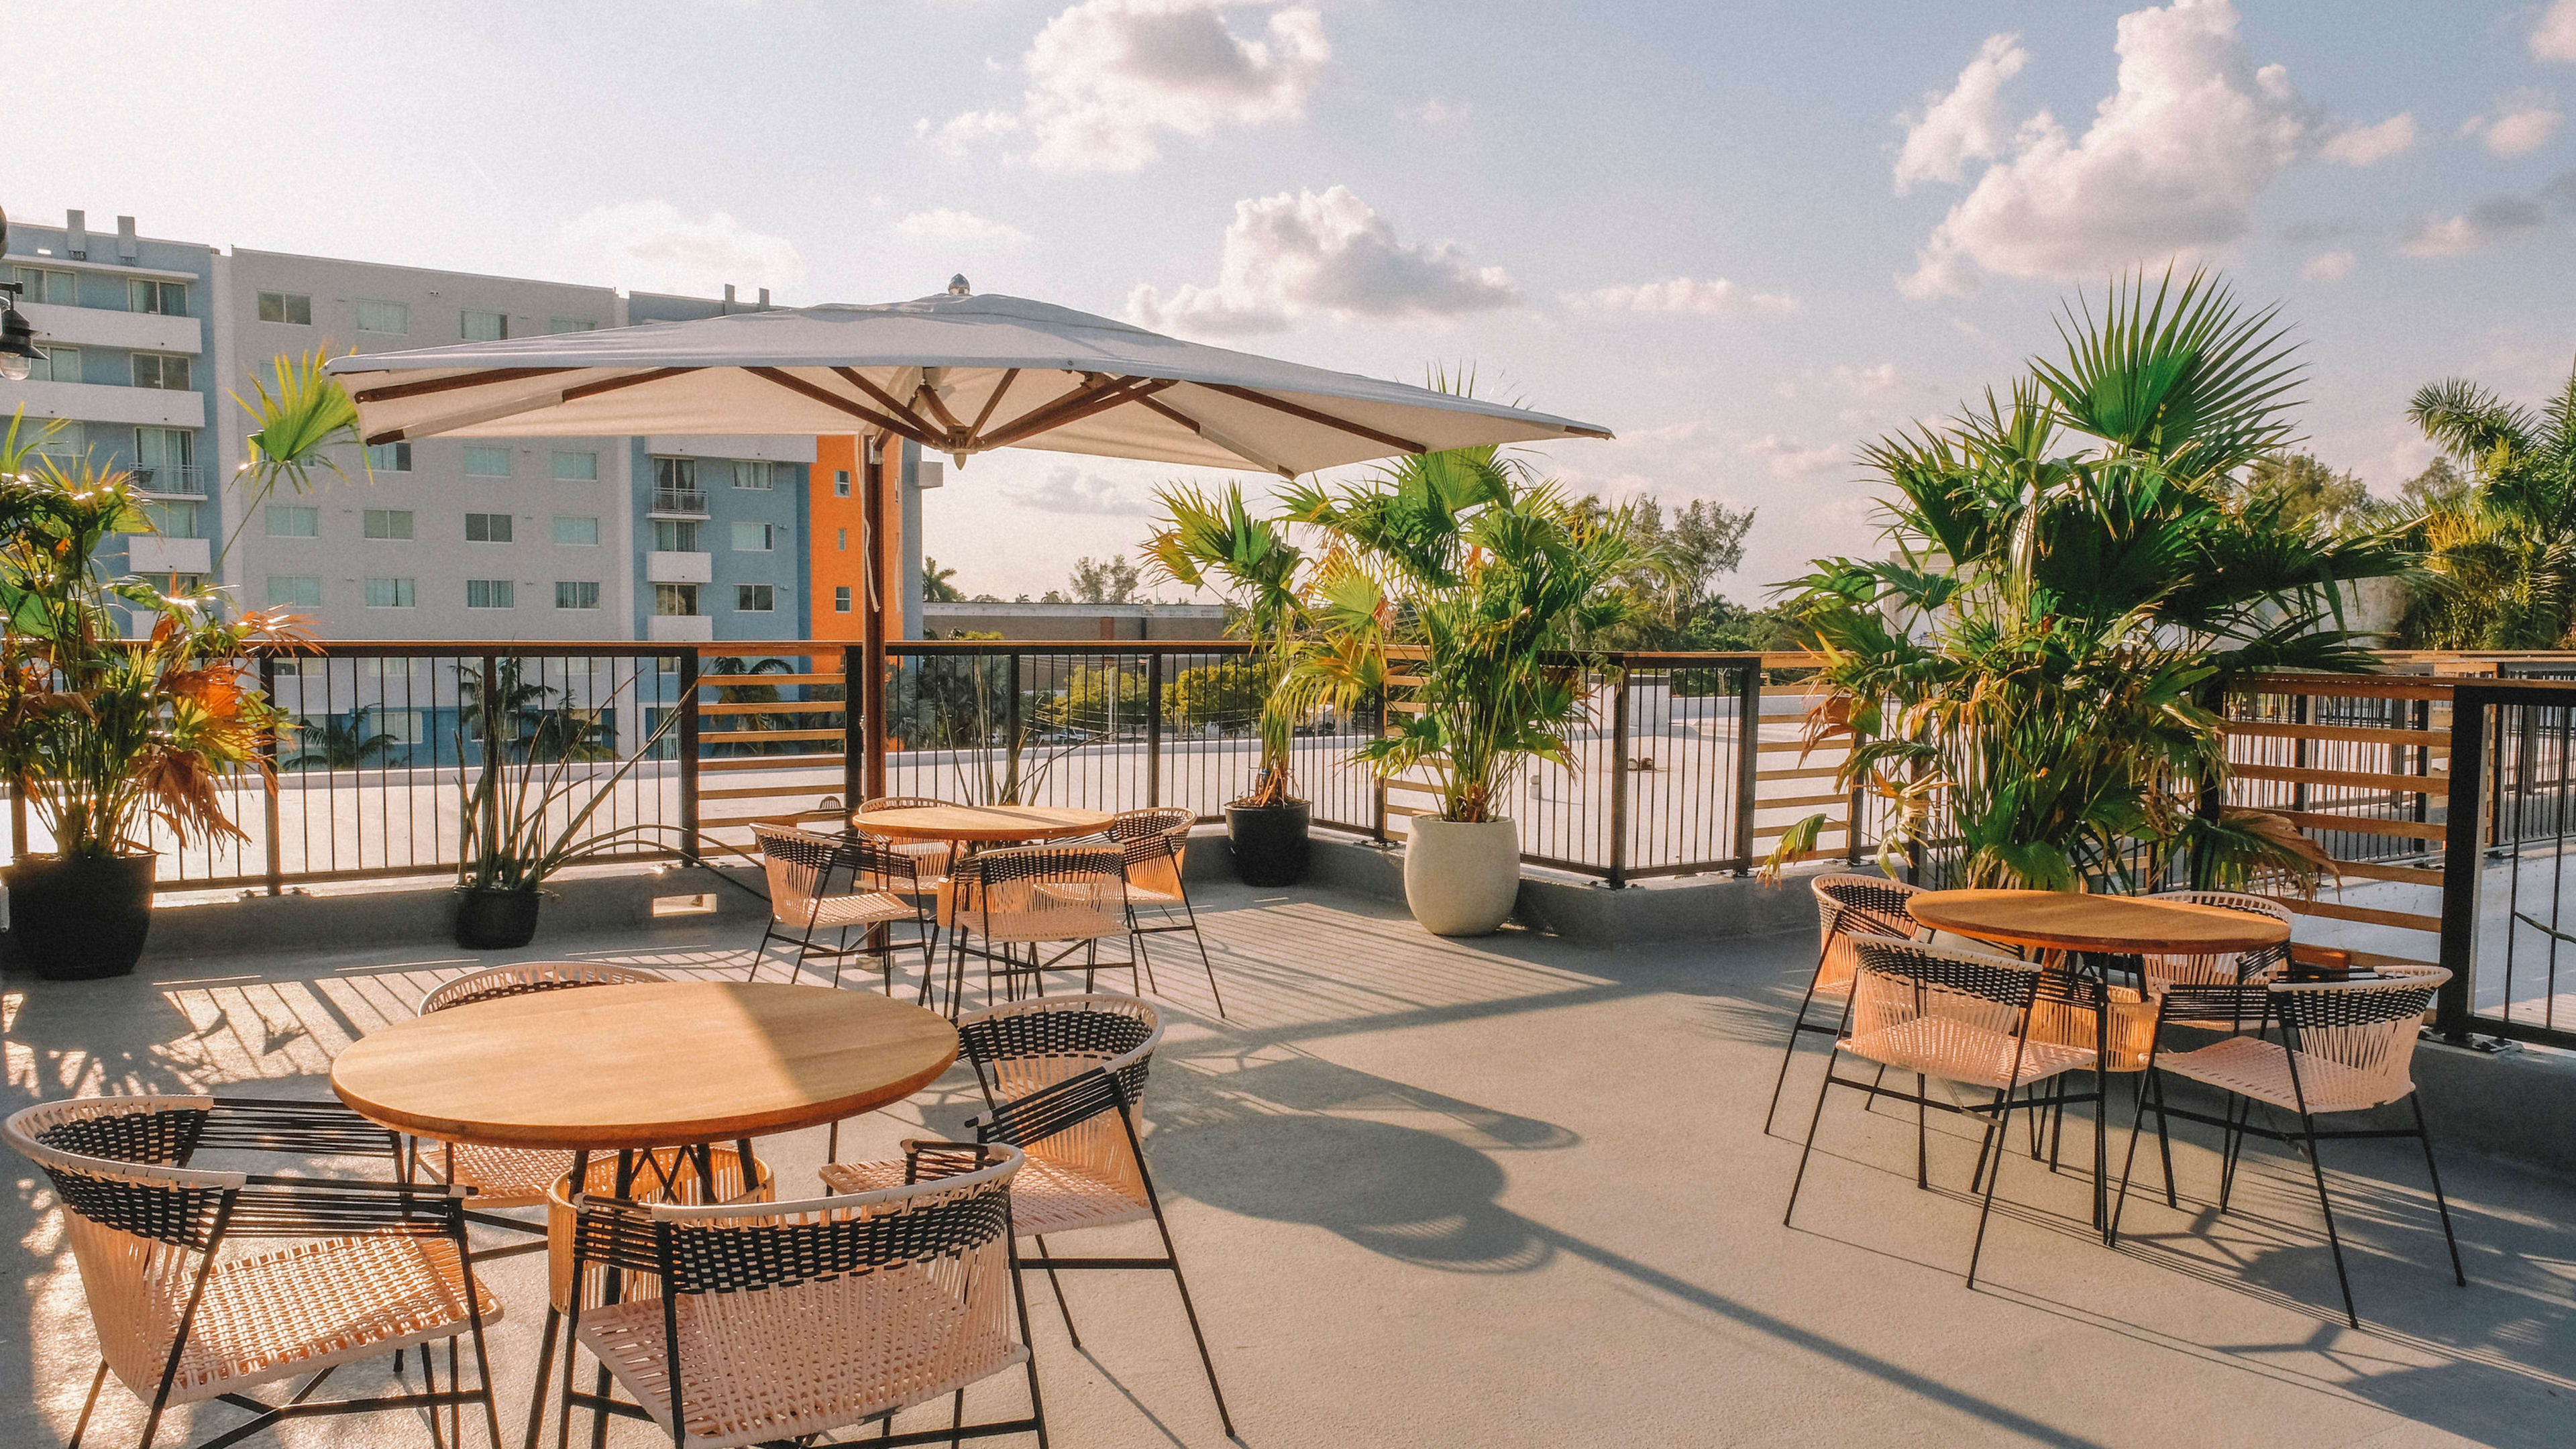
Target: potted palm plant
[
  {"x": 1466, "y": 573},
  {"x": 108, "y": 735},
  {"x": 1215, "y": 542}
]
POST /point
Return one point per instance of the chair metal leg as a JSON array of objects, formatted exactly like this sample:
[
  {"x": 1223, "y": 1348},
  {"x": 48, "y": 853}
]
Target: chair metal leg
[
  {"x": 96, "y": 1382},
  {"x": 1986, "y": 1205},
  {"x": 2164, "y": 1145},
  {"x": 1922, "y": 1133},
  {"x": 2334, "y": 1240},
  {"x": 1189, "y": 1310},
  {"x": 1809, "y": 1147},
  {"x": 1789, "y": 1049},
  {"x": 2423, "y": 1135},
  {"x": 1204, "y": 963},
  {"x": 429, "y": 1385},
  {"x": 1020, "y": 1301},
  {"x": 2137, "y": 1124},
  {"x": 545, "y": 1375},
  {"x": 1056, "y": 1286}
]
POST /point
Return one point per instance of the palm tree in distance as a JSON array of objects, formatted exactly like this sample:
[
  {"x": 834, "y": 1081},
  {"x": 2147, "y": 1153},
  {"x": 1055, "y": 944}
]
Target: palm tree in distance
[
  {"x": 343, "y": 744},
  {"x": 2503, "y": 551}
]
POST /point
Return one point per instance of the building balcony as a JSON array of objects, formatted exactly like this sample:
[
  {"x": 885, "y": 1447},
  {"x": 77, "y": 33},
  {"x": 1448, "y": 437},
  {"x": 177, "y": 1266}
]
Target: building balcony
[
  {"x": 100, "y": 327},
  {"x": 679, "y": 568},
  {"x": 163, "y": 481},
  {"x": 148, "y": 554},
  {"x": 681, "y": 629},
  {"x": 90, "y": 402},
  {"x": 679, "y": 503}
]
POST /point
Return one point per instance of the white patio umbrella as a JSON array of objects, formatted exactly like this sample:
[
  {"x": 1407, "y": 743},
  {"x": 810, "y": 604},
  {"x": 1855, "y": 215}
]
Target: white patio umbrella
[{"x": 958, "y": 374}]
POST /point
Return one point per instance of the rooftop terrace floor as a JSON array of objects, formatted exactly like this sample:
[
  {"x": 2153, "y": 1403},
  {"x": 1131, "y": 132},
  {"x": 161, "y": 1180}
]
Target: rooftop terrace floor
[{"x": 1513, "y": 1192}]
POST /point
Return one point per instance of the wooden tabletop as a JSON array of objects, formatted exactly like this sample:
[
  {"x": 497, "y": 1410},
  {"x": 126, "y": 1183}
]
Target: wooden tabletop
[
  {"x": 2063, "y": 921},
  {"x": 661, "y": 1064},
  {"x": 979, "y": 822}
]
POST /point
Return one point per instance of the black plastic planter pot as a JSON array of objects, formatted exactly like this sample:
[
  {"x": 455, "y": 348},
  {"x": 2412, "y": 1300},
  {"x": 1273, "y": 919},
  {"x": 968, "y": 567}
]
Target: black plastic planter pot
[
  {"x": 495, "y": 920},
  {"x": 1269, "y": 842},
  {"x": 79, "y": 917}
]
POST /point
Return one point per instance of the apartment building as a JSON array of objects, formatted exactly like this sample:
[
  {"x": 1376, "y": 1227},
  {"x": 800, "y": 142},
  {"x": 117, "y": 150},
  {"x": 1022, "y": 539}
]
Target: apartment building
[{"x": 678, "y": 539}]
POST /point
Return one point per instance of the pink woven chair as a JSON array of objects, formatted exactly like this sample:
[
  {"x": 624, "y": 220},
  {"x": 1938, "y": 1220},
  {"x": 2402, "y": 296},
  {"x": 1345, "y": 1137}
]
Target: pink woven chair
[
  {"x": 1961, "y": 1016},
  {"x": 1847, "y": 907},
  {"x": 881, "y": 889},
  {"x": 341, "y": 1271},
  {"x": 1065, "y": 1081},
  {"x": 930, "y": 858},
  {"x": 2346, "y": 1046},
  {"x": 1028, "y": 898},
  {"x": 1154, "y": 844},
  {"x": 507, "y": 1177},
  {"x": 2226, "y": 969},
  {"x": 796, "y": 1319}
]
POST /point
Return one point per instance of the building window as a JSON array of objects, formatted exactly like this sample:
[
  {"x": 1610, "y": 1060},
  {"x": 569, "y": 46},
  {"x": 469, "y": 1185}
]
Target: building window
[
  {"x": 570, "y": 595},
  {"x": 754, "y": 598},
  {"x": 675, "y": 535},
  {"x": 484, "y": 327},
  {"x": 672, "y": 600},
  {"x": 576, "y": 532},
  {"x": 487, "y": 460},
  {"x": 755, "y": 537},
  {"x": 841, "y": 539},
  {"x": 676, "y": 474},
  {"x": 172, "y": 520},
  {"x": 841, "y": 599},
  {"x": 151, "y": 369},
  {"x": 576, "y": 467},
  {"x": 165, "y": 299},
  {"x": 287, "y": 520},
  {"x": 490, "y": 594},
  {"x": 487, "y": 528},
  {"x": 292, "y": 307},
  {"x": 388, "y": 317},
  {"x": 840, "y": 482},
  {"x": 388, "y": 522},
  {"x": 391, "y": 593},
  {"x": 57, "y": 289},
  {"x": 163, "y": 457},
  {"x": 302, "y": 591},
  {"x": 754, "y": 476},
  {"x": 389, "y": 457},
  {"x": 560, "y": 325},
  {"x": 61, "y": 364}
]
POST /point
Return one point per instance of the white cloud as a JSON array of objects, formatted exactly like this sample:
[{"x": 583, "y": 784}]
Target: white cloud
[
  {"x": 959, "y": 228},
  {"x": 1788, "y": 459},
  {"x": 2171, "y": 164},
  {"x": 2369, "y": 145},
  {"x": 2554, "y": 38},
  {"x": 1966, "y": 124},
  {"x": 1867, "y": 381},
  {"x": 2523, "y": 124},
  {"x": 2328, "y": 267},
  {"x": 2480, "y": 227},
  {"x": 1070, "y": 490},
  {"x": 1287, "y": 257},
  {"x": 1682, "y": 294},
  {"x": 1106, "y": 78},
  {"x": 650, "y": 246},
  {"x": 1440, "y": 115}
]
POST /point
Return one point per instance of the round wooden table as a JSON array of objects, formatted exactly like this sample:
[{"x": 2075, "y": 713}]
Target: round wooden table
[
  {"x": 979, "y": 824},
  {"x": 659, "y": 1064},
  {"x": 2126, "y": 925}
]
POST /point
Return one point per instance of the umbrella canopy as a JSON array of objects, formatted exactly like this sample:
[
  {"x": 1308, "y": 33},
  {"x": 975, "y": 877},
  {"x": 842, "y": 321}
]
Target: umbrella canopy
[{"x": 957, "y": 374}]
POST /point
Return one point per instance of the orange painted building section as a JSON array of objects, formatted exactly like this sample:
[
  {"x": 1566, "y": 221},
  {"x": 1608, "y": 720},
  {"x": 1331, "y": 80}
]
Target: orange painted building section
[{"x": 838, "y": 559}]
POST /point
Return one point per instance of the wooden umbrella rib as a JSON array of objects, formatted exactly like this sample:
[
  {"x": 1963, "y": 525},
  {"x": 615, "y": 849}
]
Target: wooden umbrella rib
[
  {"x": 1195, "y": 426},
  {"x": 1312, "y": 416},
  {"x": 990, "y": 403},
  {"x": 632, "y": 379},
  {"x": 799, "y": 385},
  {"x": 1038, "y": 417},
  {"x": 1068, "y": 411},
  {"x": 394, "y": 391},
  {"x": 923, "y": 431},
  {"x": 930, "y": 399}
]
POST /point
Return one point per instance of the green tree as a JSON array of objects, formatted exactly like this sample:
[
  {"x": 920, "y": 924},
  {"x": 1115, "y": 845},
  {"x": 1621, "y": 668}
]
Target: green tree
[
  {"x": 2306, "y": 488},
  {"x": 1213, "y": 541},
  {"x": 1684, "y": 558},
  {"x": 2501, "y": 551},
  {"x": 342, "y": 743},
  {"x": 937, "y": 584},
  {"x": 1110, "y": 580}
]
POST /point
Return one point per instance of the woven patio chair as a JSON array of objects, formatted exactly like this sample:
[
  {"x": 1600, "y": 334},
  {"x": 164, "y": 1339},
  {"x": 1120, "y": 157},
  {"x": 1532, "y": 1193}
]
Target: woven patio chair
[
  {"x": 1032, "y": 897},
  {"x": 1065, "y": 1081},
  {"x": 1154, "y": 844},
  {"x": 1963, "y": 1017},
  {"x": 930, "y": 858},
  {"x": 881, "y": 890},
  {"x": 2346, "y": 1046},
  {"x": 795, "y": 1319},
  {"x": 2228, "y": 969},
  {"x": 688, "y": 1176},
  {"x": 337, "y": 1271},
  {"x": 1847, "y": 907}
]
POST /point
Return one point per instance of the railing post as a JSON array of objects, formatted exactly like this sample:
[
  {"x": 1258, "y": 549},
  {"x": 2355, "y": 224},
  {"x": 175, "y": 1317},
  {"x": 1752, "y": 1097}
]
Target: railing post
[
  {"x": 268, "y": 752},
  {"x": 494, "y": 756},
  {"x": 1377, "y": 782},
  {"x": 1619, "y": 780},
  {"x": 689, "y": 757},
  {"x": 854, "y": 742},
  {"x": 1748, "y": 761},
  {"x": 1154, "y": 729},
  {"x": 1011, "y": 742},
  {"x": 2461, "y": 862}
]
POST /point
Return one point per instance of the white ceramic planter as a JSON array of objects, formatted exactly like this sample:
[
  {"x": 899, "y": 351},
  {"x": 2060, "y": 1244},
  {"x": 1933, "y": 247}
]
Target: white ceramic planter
[{"x": 1461, "y": 878}]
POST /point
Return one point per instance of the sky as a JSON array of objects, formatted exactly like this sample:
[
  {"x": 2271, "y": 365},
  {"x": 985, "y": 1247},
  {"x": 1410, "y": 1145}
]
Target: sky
[{"x": 1747, "y": 237}]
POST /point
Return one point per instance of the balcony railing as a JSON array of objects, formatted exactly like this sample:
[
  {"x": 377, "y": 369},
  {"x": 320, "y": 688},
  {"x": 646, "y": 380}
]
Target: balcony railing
[
  {"x": 679, "y": 503},
  {"x": 184, "y": 481}
]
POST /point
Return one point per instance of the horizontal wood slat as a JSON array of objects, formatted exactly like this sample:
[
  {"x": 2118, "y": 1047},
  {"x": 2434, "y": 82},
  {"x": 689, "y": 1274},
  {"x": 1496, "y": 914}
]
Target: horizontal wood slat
[
  {"x": 2372, "y": 870},
  {"x": 1795, "y": 801},
  {"x": 2350, "y": 686},
  {"x": 735, "y": 681},
  {"x": 2401, "y": 829},
  {"x": 2346, "y": 779},
  {"x": 740, "y": 737},
  {"x": 774, "y": 706},
  {"x": 2439, "y": 740},
  {"x": 769, "y": 792},
  {"x": 1773, "y": 832},
  {"x": 776, "y": 762},
  {"x": 2337, "y": 911},
  {"x": 1812, "y": 772}
]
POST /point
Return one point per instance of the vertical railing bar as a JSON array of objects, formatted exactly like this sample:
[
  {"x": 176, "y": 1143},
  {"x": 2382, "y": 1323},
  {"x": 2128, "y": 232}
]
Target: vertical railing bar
[
  {"x": 853, "y": 729},
  {"x": 1154, "y": 729},
  {"x": 2461, "y": 862},
  {"x": 688, "y": 761},
  {"x": 1748, "y": 761},
  {"x": 274, "y": 814},
  {"x": 1619, "y": 783}
]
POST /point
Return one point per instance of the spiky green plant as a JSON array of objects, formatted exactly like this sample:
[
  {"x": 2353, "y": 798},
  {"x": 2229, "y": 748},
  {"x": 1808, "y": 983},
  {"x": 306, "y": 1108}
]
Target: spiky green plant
[
  {"x": 2502, "y": 554},
  {"x": 300, "y": 413},
  {"x": 1215, "y": 542}
]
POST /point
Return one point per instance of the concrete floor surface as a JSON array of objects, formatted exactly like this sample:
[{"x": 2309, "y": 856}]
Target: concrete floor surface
[{"x": 1511, "y": 1192}]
